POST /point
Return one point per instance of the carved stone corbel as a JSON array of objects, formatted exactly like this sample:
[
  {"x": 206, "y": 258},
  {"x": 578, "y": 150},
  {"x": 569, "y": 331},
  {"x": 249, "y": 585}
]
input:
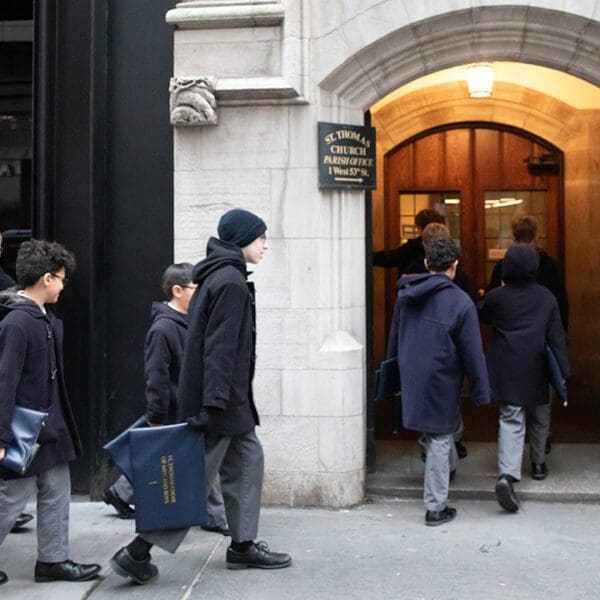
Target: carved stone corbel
[{"x": 192, "y": 101}]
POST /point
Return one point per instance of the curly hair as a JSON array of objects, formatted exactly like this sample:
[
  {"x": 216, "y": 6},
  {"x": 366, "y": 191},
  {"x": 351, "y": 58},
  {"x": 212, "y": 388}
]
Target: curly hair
[
  {"x": 426, "y": 216},
  {"x": 38, "y": 257},
  {"x": 441, "y": 253},
  {"x": 177, "y": 274}
]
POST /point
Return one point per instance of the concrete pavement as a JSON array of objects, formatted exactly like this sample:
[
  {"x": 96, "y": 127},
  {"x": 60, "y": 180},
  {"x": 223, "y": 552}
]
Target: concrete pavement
[{"x": 380, "y": 549}]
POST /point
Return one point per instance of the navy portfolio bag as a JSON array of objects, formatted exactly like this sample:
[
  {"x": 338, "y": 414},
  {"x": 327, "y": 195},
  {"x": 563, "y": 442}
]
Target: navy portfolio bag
[
  {"x": 555, "y": 373},
  {"x": 165, "y": 465},
  {"x": 26, "y": 427},
  {"x": 387, "y": 379},
  {"x": 118, "y": 449}
]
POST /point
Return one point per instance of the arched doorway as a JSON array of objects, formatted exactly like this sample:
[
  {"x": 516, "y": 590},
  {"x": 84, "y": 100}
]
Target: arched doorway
[{"x": 479, "y": 176}]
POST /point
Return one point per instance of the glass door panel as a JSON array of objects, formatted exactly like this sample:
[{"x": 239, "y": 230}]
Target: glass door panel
[{"x": 501, "y": 207}]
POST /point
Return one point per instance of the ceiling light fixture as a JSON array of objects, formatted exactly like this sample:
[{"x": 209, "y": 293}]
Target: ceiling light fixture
[{"x": 480, "y": 80}]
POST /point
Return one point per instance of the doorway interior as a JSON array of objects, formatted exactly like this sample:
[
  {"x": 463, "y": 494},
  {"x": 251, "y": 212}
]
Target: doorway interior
[{"x": 479, "y": 176}]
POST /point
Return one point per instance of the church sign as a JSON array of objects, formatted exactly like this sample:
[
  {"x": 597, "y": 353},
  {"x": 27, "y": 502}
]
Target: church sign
[{"x": 346, "y": 157}]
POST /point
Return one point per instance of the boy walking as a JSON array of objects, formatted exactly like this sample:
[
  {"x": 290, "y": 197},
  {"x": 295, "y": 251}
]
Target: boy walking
[
  {"x": 435, "y": 335},
  {"x": 31, "y": 375},
  {"x": 215, "y": 397},
  {"x": 163, "y": 355},
  {"x": 525, "y": 316}
]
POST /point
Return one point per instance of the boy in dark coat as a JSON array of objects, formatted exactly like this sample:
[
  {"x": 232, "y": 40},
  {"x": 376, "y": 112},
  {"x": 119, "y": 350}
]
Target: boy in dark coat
[
  {"x": 524, "y": 316},
  {"x": 6, "y": 282},
  {"x": 31, "y": 375},
  {"x": 524, "y": 230},
  {"x": 435, "y": 334},
  {"x": 163, "y": 355},
  {"x": 412, "y": 251},
  {"x": 215, "y": 397}
]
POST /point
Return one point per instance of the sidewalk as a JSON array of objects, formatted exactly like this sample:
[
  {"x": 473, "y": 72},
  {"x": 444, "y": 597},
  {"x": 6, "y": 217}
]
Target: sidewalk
[{"x": 380, "y": 549}]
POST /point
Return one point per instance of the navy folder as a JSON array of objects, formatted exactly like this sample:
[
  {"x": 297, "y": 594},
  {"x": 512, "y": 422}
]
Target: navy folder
[
  {"x": 165, "y": 465},
  {"x": 118, "y": 449},
  {"x": 555, "y": 373},
  {"x": 387, "y": 379},
  {"x": 168, "y": 477},
  {"x": 26, "y": 427}
]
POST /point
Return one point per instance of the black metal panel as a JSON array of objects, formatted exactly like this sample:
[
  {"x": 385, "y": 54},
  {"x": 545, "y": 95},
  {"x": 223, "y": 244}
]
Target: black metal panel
[
  {"x": 140, "y": 174},
  {"x": 102, "y": 185}
]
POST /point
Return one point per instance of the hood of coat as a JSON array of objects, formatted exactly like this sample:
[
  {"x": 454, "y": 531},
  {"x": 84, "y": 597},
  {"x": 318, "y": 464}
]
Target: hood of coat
[
  {"x": 417, "y": 288},
  {"x": 161, "y": 310},
  {"x": 520, "y": 264},
  {"x": 11, "y": 300},
  {"x": 219, "y": 254}
]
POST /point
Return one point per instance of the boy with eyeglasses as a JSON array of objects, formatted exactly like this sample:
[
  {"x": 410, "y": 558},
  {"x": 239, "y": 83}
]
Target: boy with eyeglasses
[
  {"x": 31, "y": 375},
  {"x": 163, "y": 354}
]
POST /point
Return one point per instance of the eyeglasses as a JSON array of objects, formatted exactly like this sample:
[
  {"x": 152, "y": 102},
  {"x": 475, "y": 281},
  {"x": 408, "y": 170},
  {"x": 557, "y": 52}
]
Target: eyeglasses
[
  {"x": 64, "y": 280},
  {"x": 189, "y": 287}
]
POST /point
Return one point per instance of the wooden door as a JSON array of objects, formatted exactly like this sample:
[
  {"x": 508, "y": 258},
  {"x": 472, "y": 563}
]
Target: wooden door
[{"x": 484, "y": 172}]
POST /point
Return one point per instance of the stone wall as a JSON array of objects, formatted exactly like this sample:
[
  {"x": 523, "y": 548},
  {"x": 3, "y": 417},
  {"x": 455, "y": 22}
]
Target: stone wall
[{"x": 278, "y": 69}]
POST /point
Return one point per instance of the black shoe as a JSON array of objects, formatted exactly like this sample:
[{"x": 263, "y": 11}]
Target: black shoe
[
  {"x": 505, "y": 494},
  {"x": 217, "y": 529},
  {"x": 539, "y": 471},
  {"x": 258, "y": 556},
  {"x": 21, "y": 521},
  {"x": 65, "y": 571},
  {"x": 460, "y": 449},
  {"x": 433, "y": 518},
  {"x": 3, "y": 577},
  {"x": 141, "y": 571},
  {"x": 123, "y": 509},
  {"x": 548, "y": 447}
]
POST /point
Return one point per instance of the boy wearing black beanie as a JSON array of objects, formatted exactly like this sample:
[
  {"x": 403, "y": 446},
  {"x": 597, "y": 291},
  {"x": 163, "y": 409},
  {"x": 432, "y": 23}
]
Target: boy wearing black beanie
[{"x": 215, "y": 396}]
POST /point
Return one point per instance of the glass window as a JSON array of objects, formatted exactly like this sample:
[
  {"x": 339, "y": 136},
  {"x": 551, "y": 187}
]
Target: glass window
[
  {"x": 501, "y": 207},
  {"x": 446, "y": 203}
]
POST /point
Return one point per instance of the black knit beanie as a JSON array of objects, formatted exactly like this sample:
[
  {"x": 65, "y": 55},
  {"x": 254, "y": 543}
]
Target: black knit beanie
[{"x": 240, "y": 227}]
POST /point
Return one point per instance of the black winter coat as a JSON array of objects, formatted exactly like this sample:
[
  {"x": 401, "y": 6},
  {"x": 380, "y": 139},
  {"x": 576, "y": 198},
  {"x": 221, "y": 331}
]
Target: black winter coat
[
  {"x": 163, "y": 356},
  {"x": 218, "y": 363},
  {"x": 548, "y": 276},
  {"x": 6, "y": 281},
  {"x": 31, "y": 375},
  {"x": 400, "y": 257},
  {"x": 435, "y": 334},
  {"x": 524, "y": 316}
]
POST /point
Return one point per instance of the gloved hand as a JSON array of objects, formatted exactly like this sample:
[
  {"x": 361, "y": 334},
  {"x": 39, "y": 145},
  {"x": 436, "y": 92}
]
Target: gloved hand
[{"x": 202, "y": 421}]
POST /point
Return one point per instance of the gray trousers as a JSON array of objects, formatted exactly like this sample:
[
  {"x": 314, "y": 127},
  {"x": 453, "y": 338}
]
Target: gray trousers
[
  {"x": 511, "y": 436},
  {"x": 53, "y": 497},
  {"x": 239, "y": 461},
  {"x": 215, "y": 507},
  {"x": 441, "y": 459}
]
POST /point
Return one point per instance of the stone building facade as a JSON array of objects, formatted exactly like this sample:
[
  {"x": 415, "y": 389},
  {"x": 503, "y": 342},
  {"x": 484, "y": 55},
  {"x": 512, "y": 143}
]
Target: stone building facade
[{"x": 251, "y": 80}]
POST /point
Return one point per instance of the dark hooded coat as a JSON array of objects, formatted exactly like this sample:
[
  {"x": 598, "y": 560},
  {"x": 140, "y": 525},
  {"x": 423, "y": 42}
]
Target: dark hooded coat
[
  {"x": 163, "y": 356},
  {"x": 435, "y": 334},
  {"x": 524, "y": 316},
  {"x": 218, "y": 364},
  {"x": 31, "y": 375},
  {"x": 549, "y": 276}
]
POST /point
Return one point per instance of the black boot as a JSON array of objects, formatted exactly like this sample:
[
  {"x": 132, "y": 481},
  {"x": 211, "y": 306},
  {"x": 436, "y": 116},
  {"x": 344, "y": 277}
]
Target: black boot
[
  {"x": 505, "y": 493},
  {"x": 21, "y": 521},
  {"x": 3, "y": 577},
  {"x": 257, "y": 556},
  {"x": 433, "y": 518},
  {"x": 123, "y": 509},
  {"x": 141, "y": 571},
  {"x": 67, "y": 570}
]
